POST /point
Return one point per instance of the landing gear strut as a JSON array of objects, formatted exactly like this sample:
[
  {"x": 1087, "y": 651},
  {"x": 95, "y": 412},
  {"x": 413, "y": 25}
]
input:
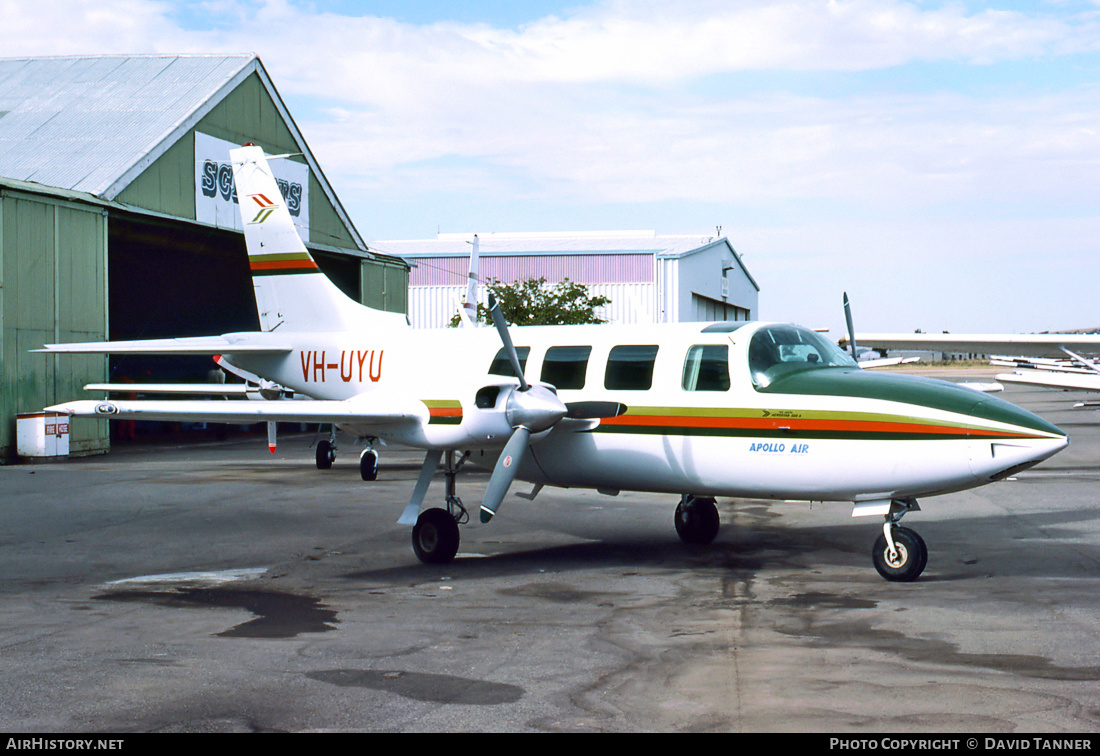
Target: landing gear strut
[
  {"x": 899, "y": 554},
  {"x": 697, "y": 520}
]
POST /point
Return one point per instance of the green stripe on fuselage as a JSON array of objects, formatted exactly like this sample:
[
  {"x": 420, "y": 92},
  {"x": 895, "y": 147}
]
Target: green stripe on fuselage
[{"x": 908, "y": 389}]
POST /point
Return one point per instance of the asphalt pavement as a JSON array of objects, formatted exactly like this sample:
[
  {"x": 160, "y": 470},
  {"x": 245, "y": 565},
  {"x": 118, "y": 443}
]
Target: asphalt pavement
[{"x": 210, "y": 586}]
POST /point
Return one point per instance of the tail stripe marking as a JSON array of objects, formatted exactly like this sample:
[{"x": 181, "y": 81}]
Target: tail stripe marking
[{"x": 271, "y": 265}]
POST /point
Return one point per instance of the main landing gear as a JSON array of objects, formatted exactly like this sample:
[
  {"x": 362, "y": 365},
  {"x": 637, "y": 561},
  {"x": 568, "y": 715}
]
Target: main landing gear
[
  {"x": 697, "y": 519},
  {"x": 899, "y": 554},
  {"x": 368, "y": 458},
  {"x": 435, "y": 535},
  {"x": 326, "y": 451},
  {"x": 368, "y": 464}
]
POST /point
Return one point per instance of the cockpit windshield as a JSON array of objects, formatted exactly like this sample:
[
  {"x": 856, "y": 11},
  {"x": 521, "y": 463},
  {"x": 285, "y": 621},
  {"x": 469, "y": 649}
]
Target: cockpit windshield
[{"x": 779, "y": 350}]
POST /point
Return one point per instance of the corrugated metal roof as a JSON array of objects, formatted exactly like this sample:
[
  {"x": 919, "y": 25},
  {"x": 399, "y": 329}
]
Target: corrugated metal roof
[{"x": 84, "y": 123}]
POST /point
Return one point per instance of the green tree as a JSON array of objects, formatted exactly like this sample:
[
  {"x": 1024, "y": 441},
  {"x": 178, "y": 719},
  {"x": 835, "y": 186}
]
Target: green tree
[{"x": 534, "y": 302}]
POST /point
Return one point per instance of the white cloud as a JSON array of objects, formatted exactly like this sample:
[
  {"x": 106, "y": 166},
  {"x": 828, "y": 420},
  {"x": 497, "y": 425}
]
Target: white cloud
[
  {"x": 83, "y": 27},
  {"x": 547, "y": 101}
]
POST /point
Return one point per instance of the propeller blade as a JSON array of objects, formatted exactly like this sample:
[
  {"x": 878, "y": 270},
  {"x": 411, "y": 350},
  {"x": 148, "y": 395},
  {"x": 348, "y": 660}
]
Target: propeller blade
[
  {"x": 851, "y": 328},
  {"x": 502, "y": 329},
  {"x": 504, "y": 472},
  {"x": 593, "y": 410}
]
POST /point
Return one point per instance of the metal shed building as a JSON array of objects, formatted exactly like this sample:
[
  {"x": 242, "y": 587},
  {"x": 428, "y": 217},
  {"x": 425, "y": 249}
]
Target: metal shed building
[
  {"x": 649, "y": 278},
  {"x": 117, "y": 216}
]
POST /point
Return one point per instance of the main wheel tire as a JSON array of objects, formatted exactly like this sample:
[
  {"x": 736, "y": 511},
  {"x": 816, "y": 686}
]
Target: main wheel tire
[
  {"x": 697, "y": 521},
  {"x": 325, "y": 455},
  {"x": 368, "y": 465},
  {"x": 435, "y": 536},
  {"x": 907, "y": 563}
]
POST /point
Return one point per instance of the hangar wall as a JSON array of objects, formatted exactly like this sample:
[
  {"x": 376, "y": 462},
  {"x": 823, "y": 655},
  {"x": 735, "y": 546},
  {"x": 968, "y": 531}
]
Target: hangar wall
[{"x": 53, "y": 288}]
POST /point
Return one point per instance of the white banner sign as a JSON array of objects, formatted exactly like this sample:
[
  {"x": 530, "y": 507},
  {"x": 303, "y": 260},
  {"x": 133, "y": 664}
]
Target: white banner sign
[{"x": 216, "y": 197}]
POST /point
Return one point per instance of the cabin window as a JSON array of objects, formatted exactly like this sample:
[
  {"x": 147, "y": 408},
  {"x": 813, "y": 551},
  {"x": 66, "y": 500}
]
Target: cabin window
[
  {"x": 564, "y": 367},
  {"x": 706, "y": 368},
  {"x": 630, "y": 368},
  {"x": 503, "y": 366}
]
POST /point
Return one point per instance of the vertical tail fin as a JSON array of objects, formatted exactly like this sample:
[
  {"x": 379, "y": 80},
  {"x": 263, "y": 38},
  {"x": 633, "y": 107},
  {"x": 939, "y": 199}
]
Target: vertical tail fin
[
  {"x": 468, "y": 310},
  {"x": 292, "y": 294}
]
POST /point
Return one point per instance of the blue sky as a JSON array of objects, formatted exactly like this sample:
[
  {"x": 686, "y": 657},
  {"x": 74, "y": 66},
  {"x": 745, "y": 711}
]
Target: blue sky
[{"x": 936, "y": 160}]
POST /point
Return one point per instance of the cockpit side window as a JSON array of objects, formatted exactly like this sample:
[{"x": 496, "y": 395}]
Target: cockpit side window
[
  {"x": 779, "y": 350},
  {"x": 706, "y": 368}
]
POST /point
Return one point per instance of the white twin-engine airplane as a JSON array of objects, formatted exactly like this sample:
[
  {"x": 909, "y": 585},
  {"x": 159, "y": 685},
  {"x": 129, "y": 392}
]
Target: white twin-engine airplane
[{"x": 753, "y": 410}]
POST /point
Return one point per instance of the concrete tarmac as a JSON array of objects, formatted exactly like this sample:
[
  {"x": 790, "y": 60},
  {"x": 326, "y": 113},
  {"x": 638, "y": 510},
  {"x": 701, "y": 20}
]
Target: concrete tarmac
[{"x": 217, "y": 588}]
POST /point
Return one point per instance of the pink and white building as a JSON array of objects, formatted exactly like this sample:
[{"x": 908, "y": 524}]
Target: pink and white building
[{"x": 649, "y": 278}]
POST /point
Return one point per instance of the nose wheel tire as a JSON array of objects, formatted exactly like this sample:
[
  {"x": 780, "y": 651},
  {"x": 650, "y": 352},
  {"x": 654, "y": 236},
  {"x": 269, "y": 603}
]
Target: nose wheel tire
[
  {"x": 435, "y": 536},
  {"x": 906, "y": 561}
]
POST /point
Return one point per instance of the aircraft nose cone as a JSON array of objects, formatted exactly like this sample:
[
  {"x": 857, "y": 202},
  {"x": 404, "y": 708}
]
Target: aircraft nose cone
[
  {"x": 1010, "y": 439},
  {"x": 1025, "y": 422}
]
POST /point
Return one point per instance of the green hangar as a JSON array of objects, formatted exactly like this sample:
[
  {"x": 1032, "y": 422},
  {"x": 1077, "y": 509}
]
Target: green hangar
[{"x": 118, "y": 219}]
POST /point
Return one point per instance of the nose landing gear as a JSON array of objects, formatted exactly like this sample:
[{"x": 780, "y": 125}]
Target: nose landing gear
[{"x": 899, "y": 554}]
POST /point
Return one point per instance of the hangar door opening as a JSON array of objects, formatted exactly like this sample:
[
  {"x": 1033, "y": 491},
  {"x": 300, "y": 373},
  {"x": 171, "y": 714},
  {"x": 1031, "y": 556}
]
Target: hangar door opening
[{"x": 169, "y": 279}]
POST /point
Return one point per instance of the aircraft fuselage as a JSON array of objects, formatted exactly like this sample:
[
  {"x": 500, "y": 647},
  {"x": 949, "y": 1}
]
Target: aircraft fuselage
[{"x": 834, "y": 433}]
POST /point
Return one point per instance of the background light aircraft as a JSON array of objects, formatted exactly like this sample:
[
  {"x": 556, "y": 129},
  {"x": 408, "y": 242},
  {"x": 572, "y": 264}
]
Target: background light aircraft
[
  {"x": 1051, "y": 360},
  {"x": 1078, "y": 374},
  {"x": 755, "y": 410},
  {"x": 1024, "y": 345}
]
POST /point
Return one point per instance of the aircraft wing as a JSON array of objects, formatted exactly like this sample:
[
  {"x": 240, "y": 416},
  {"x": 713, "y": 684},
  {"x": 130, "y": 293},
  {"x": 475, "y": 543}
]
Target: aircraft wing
[
  {"x": 1024, "y": 345},
  {"x": 359, "y": 412},
  {"x": 228, "y": 344},
  {"x": 1053, "y": 379}
]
